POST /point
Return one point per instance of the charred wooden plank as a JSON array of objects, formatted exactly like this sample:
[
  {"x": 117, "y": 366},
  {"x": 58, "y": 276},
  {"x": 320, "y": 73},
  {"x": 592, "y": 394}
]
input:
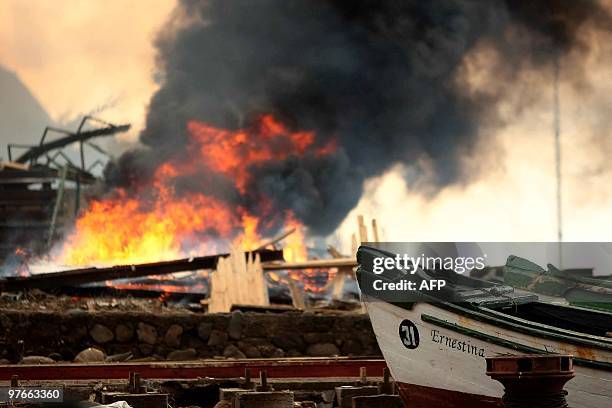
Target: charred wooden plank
[
  {"x": 312, "y": 264},
  {"x": 89, "y": 275},
  {"x": 38, "y": 151}
]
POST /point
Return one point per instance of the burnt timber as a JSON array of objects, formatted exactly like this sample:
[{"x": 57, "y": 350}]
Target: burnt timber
[
  {"x": 90, "y": 275},
  {"x": 40, "y": 190},
  {"x": 36, "y": 151}
]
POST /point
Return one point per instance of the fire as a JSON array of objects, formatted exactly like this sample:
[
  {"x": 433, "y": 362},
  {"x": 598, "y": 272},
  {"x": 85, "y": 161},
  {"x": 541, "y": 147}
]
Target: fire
[
  {"x": 126, "y": 230},
  {"x": 233, "y": 153},
  {"x": 154, "y": 222},
  {"x": 295, "y": 249},
  {"x": 22, "y": 256}
]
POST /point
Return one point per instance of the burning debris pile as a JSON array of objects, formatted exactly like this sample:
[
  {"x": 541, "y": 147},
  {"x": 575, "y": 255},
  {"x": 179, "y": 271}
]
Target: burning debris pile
[{"x": 160, "y": 218}]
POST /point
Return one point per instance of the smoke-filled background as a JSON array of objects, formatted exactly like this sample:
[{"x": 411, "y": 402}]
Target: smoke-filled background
[
  {"x": 383, "y": 78},
  {"x": 441, "y": 110}
]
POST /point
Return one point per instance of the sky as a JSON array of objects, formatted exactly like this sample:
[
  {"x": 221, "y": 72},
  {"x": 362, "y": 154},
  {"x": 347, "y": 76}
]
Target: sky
[
  {"x": 79, "y": 57},
  {"x": 82, "y": 56}
]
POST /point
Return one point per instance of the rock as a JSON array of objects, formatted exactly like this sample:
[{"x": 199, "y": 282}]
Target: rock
[
  {"x": 234, "y": 329},
  {"x": 351, "y": 347},
  {"x": 232, "y": 351},
  {"x": 322, "y": 350},
  {"x": 124, "y": 333},
  {"x": 56, "y": 357},
  {"x": 4, "y": 361},
  {"x": 146, "y": 333},
  {"x": 217, "y": 338},
  {"x": 257, "y": 341},
  {"x": 162, "y": 350},
  {"x": 249, "y": 350},
  {"x": 36, "y": 360},
  {"x": 119, "y": 357},
  {"x": 313, "y": 338},
  {"x": 75, "y": 334},
  {"x": 173, "y": 335},
  {"x": 271, "y": 351},
  {"x": 101, "y": 334},
  {"x": 192, "y": 341},
  {"x": 143, "y": 360},
  {"x": 204, "y": 330},
  {"x": 146, "y": 349},
  {"x": 119, "y": 349},
  {"x": 182, "y": 355},
  {"x": 288, "y": 341},
  {"x": 90, "y": 355}
]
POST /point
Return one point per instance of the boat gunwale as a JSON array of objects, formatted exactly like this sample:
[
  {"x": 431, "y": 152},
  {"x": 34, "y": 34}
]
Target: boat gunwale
[
  {"x": 507, "y": 343},
  {"x": 544, "y": 331},
  {"x": 536, "y": 325}
]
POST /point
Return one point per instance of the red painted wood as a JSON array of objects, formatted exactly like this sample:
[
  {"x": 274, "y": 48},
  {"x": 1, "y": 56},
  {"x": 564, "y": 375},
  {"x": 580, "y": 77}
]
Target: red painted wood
[
  {"x": 418, "y": 396},
  {"x": 287, "y": 368}
]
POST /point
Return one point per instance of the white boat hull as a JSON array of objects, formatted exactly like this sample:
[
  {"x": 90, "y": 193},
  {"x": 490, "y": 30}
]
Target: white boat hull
[{"x": 447, "y": 367}]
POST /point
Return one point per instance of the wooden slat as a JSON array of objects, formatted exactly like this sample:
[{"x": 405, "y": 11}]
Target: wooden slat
[
  {"x": 363, "y": 231},
  {"x": 375, "y": 230},
  {"x": 313, "y": 264},
  {"x": 237, "y": 280}
]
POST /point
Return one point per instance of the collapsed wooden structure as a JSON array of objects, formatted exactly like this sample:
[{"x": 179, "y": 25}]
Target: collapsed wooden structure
[
  {"x": 237, "y": 278},
  {"x": 36, "y": 200}
]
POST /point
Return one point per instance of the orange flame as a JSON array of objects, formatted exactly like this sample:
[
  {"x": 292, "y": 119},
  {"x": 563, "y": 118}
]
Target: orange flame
[
  {"x": 232, "y": 153},
  {"x": 157, "y": 223}
]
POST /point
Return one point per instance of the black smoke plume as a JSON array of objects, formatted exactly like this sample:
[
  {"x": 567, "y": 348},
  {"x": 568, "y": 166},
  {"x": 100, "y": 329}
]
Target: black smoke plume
[{"x": 381, "y": 77}]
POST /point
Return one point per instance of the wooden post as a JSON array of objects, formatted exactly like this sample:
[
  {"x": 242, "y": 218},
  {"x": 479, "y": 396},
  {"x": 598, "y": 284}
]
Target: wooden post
[
  {"x": 375, "y": 230},
  {"x": 338, "y": 284},
  {"x": 363, "y": 231},
  {"x": 297, "y": 294}
]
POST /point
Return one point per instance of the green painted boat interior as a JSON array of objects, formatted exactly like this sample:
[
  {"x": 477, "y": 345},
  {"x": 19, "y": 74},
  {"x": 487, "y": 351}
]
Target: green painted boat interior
[
  {"x": 524, "y": 274},
  {"x": 568, "y": 318}
]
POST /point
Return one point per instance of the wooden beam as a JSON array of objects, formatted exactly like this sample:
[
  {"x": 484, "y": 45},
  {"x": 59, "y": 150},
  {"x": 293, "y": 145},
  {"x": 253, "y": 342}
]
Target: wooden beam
[
  {"x": 89, "y": 275},
  {"x": 313, "y": 264},
  {"x": 333, "y": 251},
  {"x": 277, "y": 239},
  {"x": 37, "y": 151}
]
